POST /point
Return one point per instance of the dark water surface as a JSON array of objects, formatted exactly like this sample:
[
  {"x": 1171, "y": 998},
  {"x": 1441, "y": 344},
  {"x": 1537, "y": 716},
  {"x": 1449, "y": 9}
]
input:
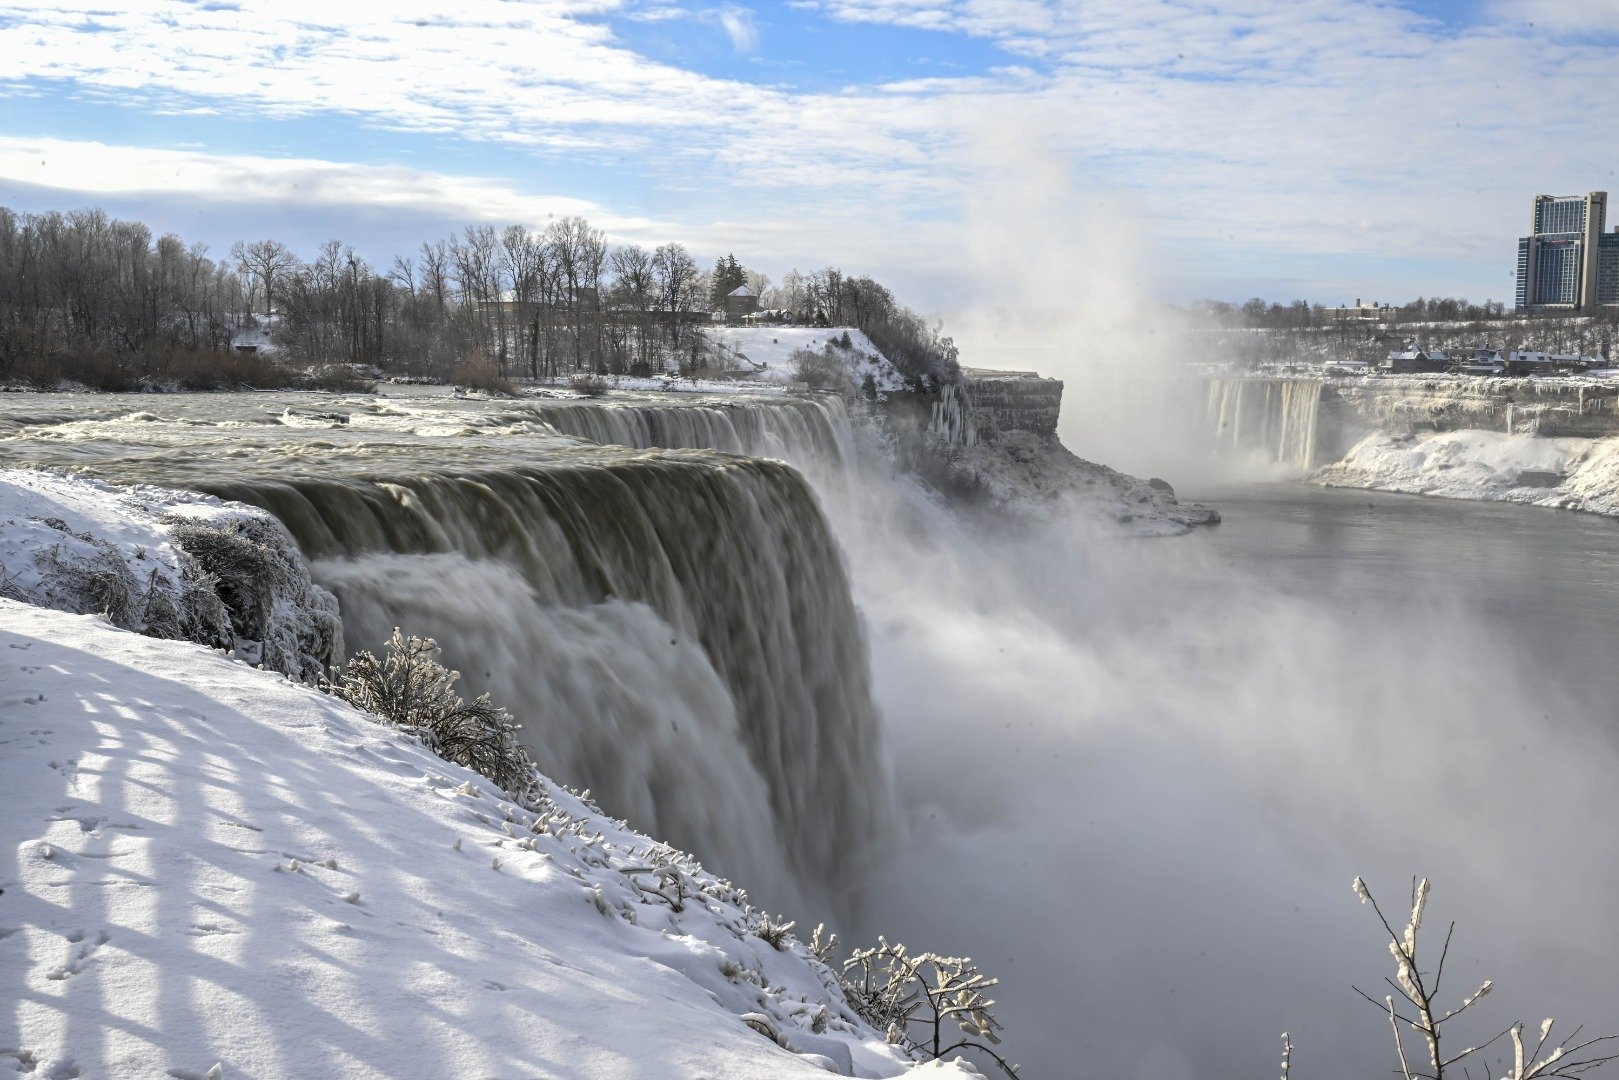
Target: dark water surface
[{"x": 1526, "y": 586}]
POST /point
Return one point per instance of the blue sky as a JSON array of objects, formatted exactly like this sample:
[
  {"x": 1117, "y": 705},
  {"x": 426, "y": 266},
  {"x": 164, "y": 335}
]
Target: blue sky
[{"x": 965, "y": 150}]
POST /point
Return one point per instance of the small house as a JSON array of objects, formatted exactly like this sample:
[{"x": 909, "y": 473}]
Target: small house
[
  {"x": 740, "y": 302},
  {"x": 1414, "y": 358}
]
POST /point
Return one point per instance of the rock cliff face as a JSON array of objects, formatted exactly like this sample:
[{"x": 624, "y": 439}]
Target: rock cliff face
[
  {"x": 992, "y": 440},
  {"x": 1006, "y": 401},
  {"x": 1548, "y": 407}
]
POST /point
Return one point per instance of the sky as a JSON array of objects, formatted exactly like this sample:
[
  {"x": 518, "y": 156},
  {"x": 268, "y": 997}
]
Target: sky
[{"x": 1325, "y": 149}]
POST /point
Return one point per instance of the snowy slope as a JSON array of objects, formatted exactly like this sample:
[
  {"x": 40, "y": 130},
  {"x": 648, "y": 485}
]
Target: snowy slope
[
  {"x": 1568, "y": 474},
  {"x": 773, "y": 347},
  {"x": 213, "y": 865}
]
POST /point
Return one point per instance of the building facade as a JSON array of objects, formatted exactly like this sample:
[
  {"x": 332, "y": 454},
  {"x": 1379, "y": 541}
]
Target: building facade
[
  {"x": 1608, "y": 269},
  {"x": 1564, "y": 261}
]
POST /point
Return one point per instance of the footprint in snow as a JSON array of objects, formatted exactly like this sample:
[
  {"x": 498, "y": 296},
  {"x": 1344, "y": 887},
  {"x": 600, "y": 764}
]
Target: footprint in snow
[{"x": 79, "y": 956}]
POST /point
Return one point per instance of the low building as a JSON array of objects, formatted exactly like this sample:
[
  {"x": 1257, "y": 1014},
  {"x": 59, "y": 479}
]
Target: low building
[
  {"x": 1537, "y": 362},
  {"x": 1414, "y": 358},
  {"x": 740, "y": 302}
]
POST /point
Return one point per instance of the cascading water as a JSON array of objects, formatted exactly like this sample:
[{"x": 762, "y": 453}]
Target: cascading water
[
  {"x": 1278, "y": 417},
  {"x": 674, "y": 628},
  {"x": 805, "y": 431},
  {"x": 699, "y": 591}
]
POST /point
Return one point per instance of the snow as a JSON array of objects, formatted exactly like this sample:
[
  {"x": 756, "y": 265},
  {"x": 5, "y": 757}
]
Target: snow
[
  {"x": 1565, "y": 473},
  {"x": 773, "y": 347},
  {"x": 216, "y": 866},
  {"x": 80, "y": 545}
]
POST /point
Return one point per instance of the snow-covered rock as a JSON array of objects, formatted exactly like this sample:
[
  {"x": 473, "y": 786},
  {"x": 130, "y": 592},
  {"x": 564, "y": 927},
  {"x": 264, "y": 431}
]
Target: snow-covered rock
[
  {"x": 1565, "y": 473},
  {"x": 170, "y": 564},
  {"x": 1022, "y": 474},
  {"x": 212, "y": 865}
]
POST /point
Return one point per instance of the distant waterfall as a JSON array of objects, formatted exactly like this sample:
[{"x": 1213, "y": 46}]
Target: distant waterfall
[
  {"x": 675, "y": 631},
  {"x": 1277, "y": 416}
]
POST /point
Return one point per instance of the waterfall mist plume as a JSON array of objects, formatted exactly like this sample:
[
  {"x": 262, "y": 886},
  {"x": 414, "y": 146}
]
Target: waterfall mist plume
[
  {"x": 1064, "y": 273},
  {"x": 1139, "y": 777}
]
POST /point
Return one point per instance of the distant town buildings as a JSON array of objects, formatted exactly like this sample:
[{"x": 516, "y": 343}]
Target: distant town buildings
[
  {"x": 1360, "y": 312},
  {"x": 1567, "y": 262}
]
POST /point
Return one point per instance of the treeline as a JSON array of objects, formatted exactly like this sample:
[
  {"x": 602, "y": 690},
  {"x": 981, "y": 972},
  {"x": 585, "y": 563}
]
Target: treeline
[
  {"x": 103, "y": 302},
  {"x": 1301, "y": 314}
]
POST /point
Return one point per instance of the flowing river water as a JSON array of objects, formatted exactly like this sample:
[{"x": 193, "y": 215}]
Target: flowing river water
[{"x": 1132, "y": 777}]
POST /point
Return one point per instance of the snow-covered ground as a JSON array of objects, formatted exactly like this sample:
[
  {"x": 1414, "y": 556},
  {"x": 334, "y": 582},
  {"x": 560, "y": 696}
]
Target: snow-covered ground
[
  {"x": 1569, "y": 474},
  {"x": 220, "y": 872},
  {"x": 214, "y": 865},
  {"x": 768, "y": 352}
]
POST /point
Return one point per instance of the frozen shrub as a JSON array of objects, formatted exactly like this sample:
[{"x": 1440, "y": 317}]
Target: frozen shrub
[
  {"x": 772, "y": 931},
  {"x": 409, "y": 689},
  {"x": 277, "y": 616},
  {"x": 928, "y": 1004},
  {"x": 102, "y": 584},
  {"x": 820, "y": 371}
]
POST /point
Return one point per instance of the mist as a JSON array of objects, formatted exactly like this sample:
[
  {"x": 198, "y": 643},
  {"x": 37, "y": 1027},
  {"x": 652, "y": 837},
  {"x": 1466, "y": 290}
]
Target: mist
[{"x": 1141, "y": 775}]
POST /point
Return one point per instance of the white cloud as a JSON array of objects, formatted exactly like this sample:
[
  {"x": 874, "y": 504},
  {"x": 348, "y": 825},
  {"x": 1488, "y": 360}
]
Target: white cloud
[
  {"x": 740, "y": 26},
  {"x": 91, "y": 170}
]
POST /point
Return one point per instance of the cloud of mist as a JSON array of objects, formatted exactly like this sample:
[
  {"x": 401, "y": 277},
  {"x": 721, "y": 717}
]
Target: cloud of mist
[
  {"x": 1140, "y": 779},
  {"x": 1141, "y": 774},
  {"x": 1065, "y": 269}
]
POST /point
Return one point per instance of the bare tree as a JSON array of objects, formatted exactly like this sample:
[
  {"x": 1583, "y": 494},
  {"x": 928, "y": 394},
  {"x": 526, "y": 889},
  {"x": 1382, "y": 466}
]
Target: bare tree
[{"x": 264, "y": 261}]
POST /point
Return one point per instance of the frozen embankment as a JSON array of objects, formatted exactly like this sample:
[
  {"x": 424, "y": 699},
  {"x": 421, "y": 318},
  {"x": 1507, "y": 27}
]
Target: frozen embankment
[
  {"x": 1563, "y": 473},
  {"x": 216, "y": 866},
  {"x": 167, "y": 564}
]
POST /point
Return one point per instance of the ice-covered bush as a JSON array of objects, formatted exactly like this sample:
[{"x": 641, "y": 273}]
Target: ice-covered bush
[
  {"x": 277, "y": 616},
  {"x": 928, "y": 1004},
  {"x": 821, "y": 370},
  {"x": 410, "y": 689}
]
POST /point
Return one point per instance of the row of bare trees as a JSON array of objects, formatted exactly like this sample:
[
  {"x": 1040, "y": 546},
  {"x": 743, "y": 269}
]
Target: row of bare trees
[
  {"x": 82, "y": 282},
  {"x": 535, "y": 304},
  {"x": 85, "y": 296}
]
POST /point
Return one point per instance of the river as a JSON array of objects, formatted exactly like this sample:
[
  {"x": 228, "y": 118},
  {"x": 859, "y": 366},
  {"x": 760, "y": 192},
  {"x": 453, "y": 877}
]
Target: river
[{"x": 1534, "y": 588}]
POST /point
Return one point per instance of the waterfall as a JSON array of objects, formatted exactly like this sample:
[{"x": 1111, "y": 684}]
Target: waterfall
[
  {"x": 1278, "y": 417},
  {"x": 809, "y": 432},
  {"x": 673, "y": 626},
  {"x": 674, "y": 630}
]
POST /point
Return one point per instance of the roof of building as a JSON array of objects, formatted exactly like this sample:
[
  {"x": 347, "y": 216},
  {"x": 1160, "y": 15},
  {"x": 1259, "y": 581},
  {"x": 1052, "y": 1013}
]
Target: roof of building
[{"x": 741, "y": 290}]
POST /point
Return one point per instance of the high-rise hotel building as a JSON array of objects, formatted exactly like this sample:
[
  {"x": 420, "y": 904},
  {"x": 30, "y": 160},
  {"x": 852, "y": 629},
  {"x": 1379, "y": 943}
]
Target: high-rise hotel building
[{"x": 1567, "y": 263}]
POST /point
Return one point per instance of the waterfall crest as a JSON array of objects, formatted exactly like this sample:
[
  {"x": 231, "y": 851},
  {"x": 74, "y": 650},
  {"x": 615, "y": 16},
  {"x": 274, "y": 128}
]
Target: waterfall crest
[{"x": 810, "y": 432}]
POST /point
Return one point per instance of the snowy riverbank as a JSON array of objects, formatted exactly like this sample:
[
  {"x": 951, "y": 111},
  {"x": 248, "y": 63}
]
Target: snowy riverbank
[
  {"x": 216, "y": 866},
  {"x": 1562, "y": 473}
]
